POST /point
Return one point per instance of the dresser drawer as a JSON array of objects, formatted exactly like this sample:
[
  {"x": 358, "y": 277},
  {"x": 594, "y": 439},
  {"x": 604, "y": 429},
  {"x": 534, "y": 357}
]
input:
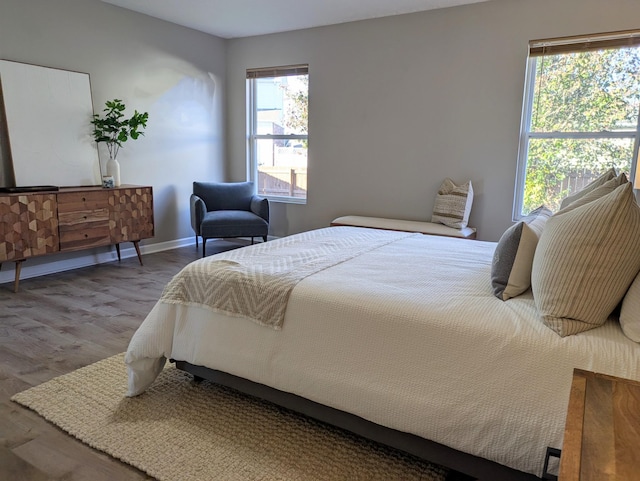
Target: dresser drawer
[
  {"x": 79, "y": 218},
  {"x": 82, "y": 201},
  {"x": 97, "y": 234}
]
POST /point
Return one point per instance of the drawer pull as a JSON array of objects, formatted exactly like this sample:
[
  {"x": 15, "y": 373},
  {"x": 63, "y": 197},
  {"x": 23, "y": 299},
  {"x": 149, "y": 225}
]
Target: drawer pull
[
  {"x": 84, "y": 199},
  {"x": 86, "y": 235}
]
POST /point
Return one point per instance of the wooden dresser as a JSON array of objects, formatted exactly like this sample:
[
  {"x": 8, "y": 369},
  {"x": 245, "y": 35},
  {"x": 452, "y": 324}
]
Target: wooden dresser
[
  {"x": 71, "y": 219},
  {"x": 602, "y": 432}
]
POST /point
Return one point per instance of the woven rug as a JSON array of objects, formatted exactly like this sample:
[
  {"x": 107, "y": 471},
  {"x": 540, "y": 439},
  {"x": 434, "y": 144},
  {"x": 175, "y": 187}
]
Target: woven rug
[{"x": 179, "y": 430}]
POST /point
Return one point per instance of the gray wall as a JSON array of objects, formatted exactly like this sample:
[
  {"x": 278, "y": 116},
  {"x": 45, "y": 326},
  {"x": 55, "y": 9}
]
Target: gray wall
[
  {"x": 174, "y": 73},
  {"x": 398, "y": 104}
]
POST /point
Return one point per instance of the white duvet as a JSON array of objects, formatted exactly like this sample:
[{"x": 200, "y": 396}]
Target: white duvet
[{"x": 408, "y": 336}]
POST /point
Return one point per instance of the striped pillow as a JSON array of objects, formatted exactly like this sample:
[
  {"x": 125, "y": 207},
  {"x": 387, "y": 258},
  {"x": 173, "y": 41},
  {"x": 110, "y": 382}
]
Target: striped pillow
[
  {"x": 586, "y": 260},
  {"x": 600, "y": 191},
  {"x": 453, "y": 204},
  {"x": 608, "y": 175}
]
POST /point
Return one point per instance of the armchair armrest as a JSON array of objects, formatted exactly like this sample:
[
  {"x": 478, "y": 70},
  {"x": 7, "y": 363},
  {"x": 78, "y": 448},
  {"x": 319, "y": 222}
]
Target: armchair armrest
[
  {"x": 198, "y": 210},
  {"x": 260, "y": 207}
]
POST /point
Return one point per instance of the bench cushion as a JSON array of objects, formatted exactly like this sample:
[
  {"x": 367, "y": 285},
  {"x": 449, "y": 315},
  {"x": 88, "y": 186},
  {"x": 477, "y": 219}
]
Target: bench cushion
[{"x": 404, "y": 225}]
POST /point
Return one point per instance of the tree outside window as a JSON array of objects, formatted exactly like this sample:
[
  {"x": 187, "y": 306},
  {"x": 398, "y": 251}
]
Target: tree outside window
[{"x": 581, "y": 117}]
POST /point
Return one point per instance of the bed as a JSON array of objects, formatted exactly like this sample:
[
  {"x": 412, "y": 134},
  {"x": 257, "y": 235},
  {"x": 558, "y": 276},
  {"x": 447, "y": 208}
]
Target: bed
[{"x": 396, "y": 336}]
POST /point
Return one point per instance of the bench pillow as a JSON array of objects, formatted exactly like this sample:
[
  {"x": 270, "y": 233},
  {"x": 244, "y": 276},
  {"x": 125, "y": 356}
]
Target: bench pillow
[{"x": 453, "y": 204}]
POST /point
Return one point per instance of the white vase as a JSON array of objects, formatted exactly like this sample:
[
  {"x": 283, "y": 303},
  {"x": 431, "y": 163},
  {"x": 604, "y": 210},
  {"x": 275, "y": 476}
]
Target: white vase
[{"x": 113, "y": 169}]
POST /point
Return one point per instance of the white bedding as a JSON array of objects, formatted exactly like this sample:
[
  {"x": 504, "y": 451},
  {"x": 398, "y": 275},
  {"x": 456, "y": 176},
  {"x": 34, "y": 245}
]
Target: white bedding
[{"x": 409, "y": 336}]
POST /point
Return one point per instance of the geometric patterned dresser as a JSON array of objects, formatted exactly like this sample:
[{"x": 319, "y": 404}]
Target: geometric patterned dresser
[{"x": 73, "y": 218}]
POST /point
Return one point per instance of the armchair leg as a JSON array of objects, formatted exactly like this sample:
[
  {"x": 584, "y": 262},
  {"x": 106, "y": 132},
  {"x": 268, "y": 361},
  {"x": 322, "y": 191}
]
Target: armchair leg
[
  {"x": 204, "y": 243},
  {"x": 252, "y": 241},
  {"x": 196, "y": 241},
  {"x": 264, "y": 238}
]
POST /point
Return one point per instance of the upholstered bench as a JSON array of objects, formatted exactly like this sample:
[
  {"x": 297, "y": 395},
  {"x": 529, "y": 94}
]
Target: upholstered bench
[{"x": 404, "y": 225}]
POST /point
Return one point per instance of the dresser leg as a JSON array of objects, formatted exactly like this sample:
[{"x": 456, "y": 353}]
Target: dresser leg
[
  {"x": 118, "y": 251},
  {"x": 16, "y": 282},
  {"x": 136, "y": 244}
]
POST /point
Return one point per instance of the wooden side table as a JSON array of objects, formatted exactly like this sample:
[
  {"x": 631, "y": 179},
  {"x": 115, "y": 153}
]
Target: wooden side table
[{"x": 602, "y": 431}]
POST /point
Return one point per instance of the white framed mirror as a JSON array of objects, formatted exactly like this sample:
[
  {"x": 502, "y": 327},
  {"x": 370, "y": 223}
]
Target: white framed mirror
[{"x": 48, "y": 113}]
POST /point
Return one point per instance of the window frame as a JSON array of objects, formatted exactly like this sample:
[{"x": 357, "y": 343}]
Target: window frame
[
  {"x": 252, "y": 125},
  {"x": 537, "y": 49}
]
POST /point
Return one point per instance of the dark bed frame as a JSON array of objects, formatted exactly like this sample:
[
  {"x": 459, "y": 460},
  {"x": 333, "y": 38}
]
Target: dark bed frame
[{"x": 466, "y": 467}]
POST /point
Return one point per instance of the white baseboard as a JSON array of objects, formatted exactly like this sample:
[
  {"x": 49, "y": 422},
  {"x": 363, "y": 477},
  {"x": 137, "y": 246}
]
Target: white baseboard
[{"x": 40, "y": 266}]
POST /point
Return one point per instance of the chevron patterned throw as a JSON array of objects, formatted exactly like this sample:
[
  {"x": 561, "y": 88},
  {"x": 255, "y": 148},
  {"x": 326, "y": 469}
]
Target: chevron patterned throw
[{"x": 255, "y": 281}]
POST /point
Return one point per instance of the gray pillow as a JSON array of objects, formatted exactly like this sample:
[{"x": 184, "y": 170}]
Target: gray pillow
[
  {"x": 513, "y": 257},
  {"x": 586, "y": 260},
  {"x": 630, "y": 311}
]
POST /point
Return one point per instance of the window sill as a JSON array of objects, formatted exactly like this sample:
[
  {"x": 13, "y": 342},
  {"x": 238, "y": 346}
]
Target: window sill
[{"x": 284, "y": 200}]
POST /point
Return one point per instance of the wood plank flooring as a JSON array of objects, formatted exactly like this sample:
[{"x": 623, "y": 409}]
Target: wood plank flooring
[{"x": 61, "y": 322}]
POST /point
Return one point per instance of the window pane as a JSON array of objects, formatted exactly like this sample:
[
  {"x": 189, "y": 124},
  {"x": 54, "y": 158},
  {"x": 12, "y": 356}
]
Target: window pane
[
  {"x": 573, "y": 94},
  {"x": 282, "y": 167},
  {"x": 281, "y": 105},
  {"x": 587, "y": 91},
  {"x": 559, "y": 167}
]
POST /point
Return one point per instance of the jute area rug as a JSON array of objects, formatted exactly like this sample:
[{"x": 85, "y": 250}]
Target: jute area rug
[{"x": 179, "y": 430}]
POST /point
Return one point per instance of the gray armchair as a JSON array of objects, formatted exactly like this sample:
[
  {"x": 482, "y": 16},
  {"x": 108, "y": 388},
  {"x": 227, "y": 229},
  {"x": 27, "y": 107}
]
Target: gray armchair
[{"x": 220, "y": 210}]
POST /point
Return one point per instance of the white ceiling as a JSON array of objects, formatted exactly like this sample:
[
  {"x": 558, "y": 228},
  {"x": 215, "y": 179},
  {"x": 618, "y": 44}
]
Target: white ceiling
[{"x": 244, "y": 18}]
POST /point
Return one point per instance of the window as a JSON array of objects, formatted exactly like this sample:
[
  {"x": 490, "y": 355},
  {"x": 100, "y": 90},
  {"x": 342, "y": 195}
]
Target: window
[
  {"x": 581, "y": 115},
  {"x": 278, "y": 132}
]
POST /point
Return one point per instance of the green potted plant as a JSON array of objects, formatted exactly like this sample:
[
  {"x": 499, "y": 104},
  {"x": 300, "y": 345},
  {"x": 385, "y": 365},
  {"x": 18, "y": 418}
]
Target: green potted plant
[{"x": 114, "y": 129}]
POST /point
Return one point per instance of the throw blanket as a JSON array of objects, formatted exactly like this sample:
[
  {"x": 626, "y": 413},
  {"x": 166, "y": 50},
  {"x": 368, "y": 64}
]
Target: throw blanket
[{"x": 255, "y": 282}]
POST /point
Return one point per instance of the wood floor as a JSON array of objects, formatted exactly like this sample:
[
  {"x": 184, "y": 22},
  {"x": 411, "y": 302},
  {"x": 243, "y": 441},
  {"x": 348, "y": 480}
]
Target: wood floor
[{"x": 61, "y": 322}]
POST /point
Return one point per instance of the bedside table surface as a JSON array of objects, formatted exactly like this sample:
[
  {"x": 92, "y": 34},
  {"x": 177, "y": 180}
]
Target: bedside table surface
[{"x": 602, "y": 431}]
